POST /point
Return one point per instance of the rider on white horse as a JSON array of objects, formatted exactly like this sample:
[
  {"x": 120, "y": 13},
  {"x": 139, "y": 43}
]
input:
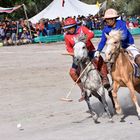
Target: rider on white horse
[
  {"x": 72, "y": 31},
  {"x": 112, "y": 23}
]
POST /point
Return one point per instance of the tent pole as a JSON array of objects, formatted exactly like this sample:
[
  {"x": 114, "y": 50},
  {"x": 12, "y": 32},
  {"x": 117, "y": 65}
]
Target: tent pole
[{"x": 27, "y": 20}]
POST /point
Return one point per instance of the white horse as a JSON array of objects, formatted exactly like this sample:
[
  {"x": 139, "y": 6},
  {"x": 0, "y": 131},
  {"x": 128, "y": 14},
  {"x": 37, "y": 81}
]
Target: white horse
[{"x": 90, "y": 79}]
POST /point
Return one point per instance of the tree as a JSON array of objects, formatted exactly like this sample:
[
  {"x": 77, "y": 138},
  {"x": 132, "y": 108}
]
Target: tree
[
  {"x": 126, "y": 6},
  {"x": 129, "y": 7},
  {"x": 33, "y": 7}
]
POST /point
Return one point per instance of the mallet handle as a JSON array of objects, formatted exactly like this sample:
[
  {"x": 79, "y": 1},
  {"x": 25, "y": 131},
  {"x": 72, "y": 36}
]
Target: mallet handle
[{"x": 77, "y": 80}]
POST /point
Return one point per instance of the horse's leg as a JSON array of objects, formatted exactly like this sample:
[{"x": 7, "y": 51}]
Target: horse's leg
[
  {"x": 106, "y": 107},
  {"x": 101, "y": 92},
  {"x": 134, "y": 97},
  {"x": 111, "y": 86},
  {"x": 111, "y": 97},
  {"x": 99, "y": 98},
  {"x": 116, "y": 86},
  {"x": 92, "y": 112}
]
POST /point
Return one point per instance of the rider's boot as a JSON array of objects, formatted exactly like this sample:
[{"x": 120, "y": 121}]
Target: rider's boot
[
  {"x": 74, "y": 76},
  {"x": 137, "y": 60},
  {"x": 104, "y": 73},
  {"x": 102, "y": 68}
]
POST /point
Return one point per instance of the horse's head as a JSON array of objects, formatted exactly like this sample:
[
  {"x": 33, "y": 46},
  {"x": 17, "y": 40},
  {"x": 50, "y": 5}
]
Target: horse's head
[
  {"x": 80, "y": 49},
  {"x": 113, "y": 44}
]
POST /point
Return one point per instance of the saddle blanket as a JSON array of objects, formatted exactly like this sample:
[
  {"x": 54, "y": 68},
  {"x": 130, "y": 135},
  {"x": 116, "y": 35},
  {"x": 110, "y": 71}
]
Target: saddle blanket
[{"x": 132, "y": 53}]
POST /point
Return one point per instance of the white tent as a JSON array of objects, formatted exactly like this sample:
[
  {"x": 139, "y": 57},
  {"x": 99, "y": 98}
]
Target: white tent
[{"x": 70, "y": 8}]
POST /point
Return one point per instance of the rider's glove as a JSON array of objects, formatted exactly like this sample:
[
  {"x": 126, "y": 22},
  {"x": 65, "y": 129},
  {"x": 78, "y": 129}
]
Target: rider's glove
[{"x": 97, "y": 54}]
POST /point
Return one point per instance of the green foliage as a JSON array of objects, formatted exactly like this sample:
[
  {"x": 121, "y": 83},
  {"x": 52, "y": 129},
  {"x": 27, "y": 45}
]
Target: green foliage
[
  {"x": 126, "y": 6},
  {"x": 33, "y": 7},
  {"x": 129, "y": 7}
]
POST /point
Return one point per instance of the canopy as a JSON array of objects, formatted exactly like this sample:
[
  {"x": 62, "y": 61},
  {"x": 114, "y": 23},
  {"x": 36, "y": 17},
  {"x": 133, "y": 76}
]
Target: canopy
[{"x": 65, "y": 8}]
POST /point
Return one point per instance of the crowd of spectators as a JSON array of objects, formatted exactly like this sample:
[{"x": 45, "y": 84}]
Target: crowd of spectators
[
  {"x": 133, "y": 22},
  {"x": 22, "y": 32},
  {"x": 14, "y": 32}
]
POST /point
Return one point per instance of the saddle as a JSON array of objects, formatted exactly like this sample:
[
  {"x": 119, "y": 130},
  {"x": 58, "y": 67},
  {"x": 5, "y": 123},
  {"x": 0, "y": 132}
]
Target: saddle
[{"x": 132, "y": 61}]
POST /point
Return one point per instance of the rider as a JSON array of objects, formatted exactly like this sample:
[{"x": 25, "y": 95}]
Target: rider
[
  {"x": 73, "y": 30},
  {"x": 112, "y": 23}
]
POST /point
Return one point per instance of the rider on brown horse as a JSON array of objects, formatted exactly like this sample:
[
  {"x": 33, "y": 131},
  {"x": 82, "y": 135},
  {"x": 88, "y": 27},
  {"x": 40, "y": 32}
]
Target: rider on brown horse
[{"x": 112, "y": 23}]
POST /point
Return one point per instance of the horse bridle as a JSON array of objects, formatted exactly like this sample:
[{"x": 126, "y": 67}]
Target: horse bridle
[
  {"x": 110, "y": 63},
  {"x": 115, "y": 53}
]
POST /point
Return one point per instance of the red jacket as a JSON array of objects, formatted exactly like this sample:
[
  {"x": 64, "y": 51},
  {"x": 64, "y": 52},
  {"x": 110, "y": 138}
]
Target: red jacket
[{"x": 69, "y": 40}]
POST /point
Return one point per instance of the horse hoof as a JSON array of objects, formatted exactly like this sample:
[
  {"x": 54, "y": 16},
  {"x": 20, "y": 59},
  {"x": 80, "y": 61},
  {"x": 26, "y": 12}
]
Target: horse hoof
[
  {"x": 104, "y": 115},
  {"x": 139, "y": 117},
  {"x": 95, "y": 118},
  {"x": 88, "y": 111},
  {"x": 96, "y": 121},
  {"x": 111, "y": 120},
  {"x": 119, "y": 112}
]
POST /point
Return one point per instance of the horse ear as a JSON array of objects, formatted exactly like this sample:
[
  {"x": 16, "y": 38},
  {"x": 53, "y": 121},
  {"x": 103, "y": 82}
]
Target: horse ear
[
  {"x": 82, "y": 37},
  {"x": 106, "y": 35}
]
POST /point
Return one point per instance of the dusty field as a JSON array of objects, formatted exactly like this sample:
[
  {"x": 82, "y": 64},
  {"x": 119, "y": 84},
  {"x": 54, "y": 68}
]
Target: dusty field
[{"x": 32, "y": 80}]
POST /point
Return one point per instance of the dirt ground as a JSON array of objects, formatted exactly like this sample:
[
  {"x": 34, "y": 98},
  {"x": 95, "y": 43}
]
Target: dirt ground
[{"x": 33, "y": 78}]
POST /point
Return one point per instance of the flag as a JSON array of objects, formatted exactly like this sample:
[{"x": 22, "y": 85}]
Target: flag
[
  {"x": 103, "y": 6},
  {"x": 9, "y": 10},
  {"x": 97, "y": 4},
  {"x": 63, "y": 3}
]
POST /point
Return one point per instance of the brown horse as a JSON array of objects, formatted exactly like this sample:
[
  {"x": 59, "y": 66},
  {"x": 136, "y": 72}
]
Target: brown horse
[{"x": 122, "y": 70}]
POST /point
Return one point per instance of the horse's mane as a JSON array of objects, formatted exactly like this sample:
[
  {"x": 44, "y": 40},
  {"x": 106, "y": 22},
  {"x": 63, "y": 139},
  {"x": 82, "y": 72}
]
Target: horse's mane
[
  {"x": 116, "y": 34},
  {"x": 80, "y": 38}
]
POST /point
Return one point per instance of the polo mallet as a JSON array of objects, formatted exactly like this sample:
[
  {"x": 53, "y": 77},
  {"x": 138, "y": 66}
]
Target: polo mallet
[{"x": 69, "y": 93}]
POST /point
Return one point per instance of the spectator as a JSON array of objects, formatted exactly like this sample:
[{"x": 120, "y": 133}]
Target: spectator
[
  {"x": 57, "y": 26},
  {"x": 13, "y": 31}
]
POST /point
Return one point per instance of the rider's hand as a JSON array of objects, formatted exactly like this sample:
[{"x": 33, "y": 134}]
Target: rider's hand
[{"x": 97, "y": 54}]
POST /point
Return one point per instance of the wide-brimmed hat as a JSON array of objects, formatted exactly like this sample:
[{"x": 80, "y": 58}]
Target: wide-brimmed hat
[{"x": 111, "y": 13}]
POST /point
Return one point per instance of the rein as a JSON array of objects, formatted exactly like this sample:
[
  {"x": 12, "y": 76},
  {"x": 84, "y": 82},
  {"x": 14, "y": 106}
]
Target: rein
[
  {"x": 87, "y": 73},
  {"x": 83, "y": 72},
  {"x": 90, "y": 63},
  {"x": 116, "y": 53}
]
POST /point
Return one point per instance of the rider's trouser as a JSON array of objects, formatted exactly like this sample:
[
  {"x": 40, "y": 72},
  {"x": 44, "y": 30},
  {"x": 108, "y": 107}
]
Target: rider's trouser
[
  {"x": 135, "y": 53},
  {"x": 101, "y": 67}
]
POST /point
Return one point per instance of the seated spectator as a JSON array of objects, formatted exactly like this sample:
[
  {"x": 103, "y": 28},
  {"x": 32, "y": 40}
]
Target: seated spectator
[
  {"x": 20, "y": 30},
  {"x": 2, "y": 32},
  {"x": 57, "y": 26},
  {"x": 129, "y": 24},
  {"x": 13, "y": 32},
  {"x": 41, "y": 28},
  {"x": 7, "y": 39},
  {"x": 51, "y": 29},
  {"x": 25, "y": 38}
]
